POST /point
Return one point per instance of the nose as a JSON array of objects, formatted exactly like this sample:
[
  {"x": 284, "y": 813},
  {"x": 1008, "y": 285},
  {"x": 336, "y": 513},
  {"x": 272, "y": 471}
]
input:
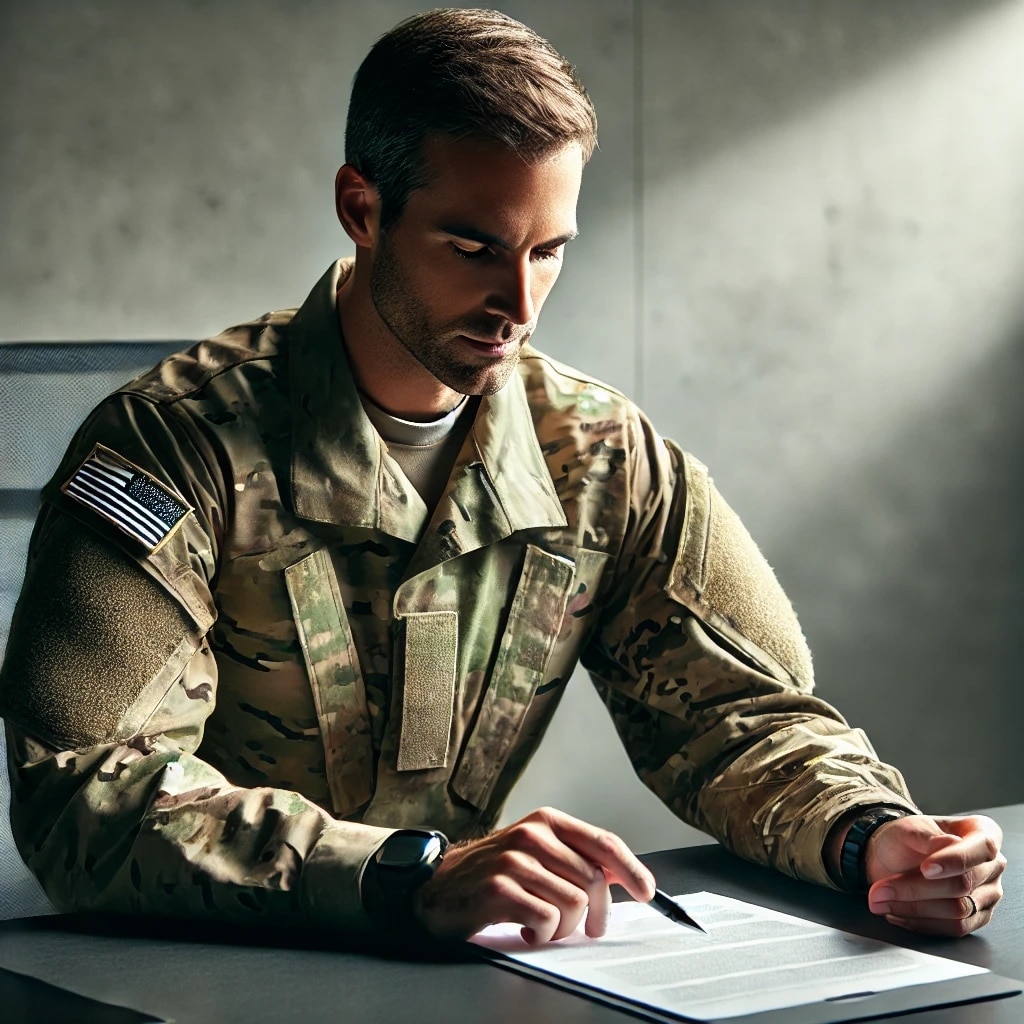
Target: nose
[{"x": 512, "y": 294}]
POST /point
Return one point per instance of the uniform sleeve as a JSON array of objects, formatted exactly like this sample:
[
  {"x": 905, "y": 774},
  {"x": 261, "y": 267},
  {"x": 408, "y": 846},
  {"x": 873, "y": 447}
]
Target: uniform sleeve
[
  {"x": 703, "y": 666},
  {"x": 106, "y": 687}
]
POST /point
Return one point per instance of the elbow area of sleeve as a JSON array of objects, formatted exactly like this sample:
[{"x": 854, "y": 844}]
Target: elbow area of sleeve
[{"x": 332, "y": 874}]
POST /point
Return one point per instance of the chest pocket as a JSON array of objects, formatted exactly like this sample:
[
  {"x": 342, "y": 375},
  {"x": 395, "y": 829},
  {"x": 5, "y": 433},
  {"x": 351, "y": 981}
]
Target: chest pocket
[
  {"x": 534, "y": 622},
  {"x": 335, "y": 677}
]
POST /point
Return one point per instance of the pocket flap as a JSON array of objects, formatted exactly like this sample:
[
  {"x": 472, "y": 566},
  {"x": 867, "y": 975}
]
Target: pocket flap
[
  {"x": 335, "y": 677},
  {"x": 534, "y": 621}
]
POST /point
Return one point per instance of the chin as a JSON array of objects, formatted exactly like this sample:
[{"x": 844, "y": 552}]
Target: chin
[
  {"x": 491, "y": 383},
  {"x": 475, "y": 380}
]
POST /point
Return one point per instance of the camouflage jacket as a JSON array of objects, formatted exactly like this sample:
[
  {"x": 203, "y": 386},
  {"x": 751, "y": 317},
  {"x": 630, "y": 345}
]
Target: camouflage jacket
[{"x": 226, "y": 715}]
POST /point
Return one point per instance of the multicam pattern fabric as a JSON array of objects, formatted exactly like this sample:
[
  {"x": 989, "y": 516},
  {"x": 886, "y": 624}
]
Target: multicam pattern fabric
[{"x": 274, "y": 758}]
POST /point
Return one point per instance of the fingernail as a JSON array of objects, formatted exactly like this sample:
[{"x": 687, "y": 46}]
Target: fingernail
[
  {"x": 931, "y": 870},
  {"x": 878, "y": 901}
]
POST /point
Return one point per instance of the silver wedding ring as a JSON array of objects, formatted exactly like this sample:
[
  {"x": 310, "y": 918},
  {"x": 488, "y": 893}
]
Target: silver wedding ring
[{"x": 974, "y": 906}]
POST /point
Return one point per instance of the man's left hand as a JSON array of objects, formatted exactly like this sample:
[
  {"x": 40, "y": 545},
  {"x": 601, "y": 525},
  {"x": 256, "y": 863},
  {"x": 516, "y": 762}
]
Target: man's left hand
[{"x": 937, "y": 876}]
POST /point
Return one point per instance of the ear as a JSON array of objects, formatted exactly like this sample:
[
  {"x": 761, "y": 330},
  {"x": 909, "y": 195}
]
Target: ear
[{"x": 358, "y": 206}]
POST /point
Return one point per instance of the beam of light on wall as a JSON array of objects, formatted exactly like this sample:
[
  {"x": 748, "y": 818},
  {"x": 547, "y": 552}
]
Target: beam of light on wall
[{"x": 825, "y": 279}]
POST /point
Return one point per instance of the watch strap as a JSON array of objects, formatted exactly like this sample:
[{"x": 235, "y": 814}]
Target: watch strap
[{"x": 853, "y": 874}]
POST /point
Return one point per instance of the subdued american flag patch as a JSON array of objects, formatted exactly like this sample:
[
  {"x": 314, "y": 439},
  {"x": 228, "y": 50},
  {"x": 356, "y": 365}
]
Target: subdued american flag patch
[{"x": 127, "y": 497}]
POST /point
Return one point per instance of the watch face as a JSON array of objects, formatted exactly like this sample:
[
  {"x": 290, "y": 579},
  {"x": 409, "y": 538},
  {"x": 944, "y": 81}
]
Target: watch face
[{"x": 408, "y": 850}]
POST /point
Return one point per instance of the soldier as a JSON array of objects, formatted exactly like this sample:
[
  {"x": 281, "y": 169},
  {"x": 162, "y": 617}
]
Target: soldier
[{"x": 302, "y": 600}]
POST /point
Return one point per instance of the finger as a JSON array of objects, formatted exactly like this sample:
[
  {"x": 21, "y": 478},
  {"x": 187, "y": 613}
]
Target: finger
[
  {"x": 478, "y": 886},
  {"x": 606, "y": 850},
  {"x": 911, "y": 887},
  {"x": 539, "y": 918},
  {"x": 963, "y": 825},
  {"x": 502, "y": 899},
  {"x": 600, "y": 906},
  {"x": 958, "y": 909},
  {"x": 952, "y": 917},
  {"x": 903, "y": 889},
  {"x": 571, "y": 902},
  {"x": 953, "y": 928},
  {"x": 542, "y": 843},
  {"x": 960, "y": 858},
  {"x": 563, "y": 878},
  {"x": 544, "y": 919},
  {"x": 567, "y": 902}
]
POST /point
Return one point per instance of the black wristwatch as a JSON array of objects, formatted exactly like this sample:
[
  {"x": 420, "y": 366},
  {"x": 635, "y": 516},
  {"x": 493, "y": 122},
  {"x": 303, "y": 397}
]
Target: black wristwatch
[
  {"x": 853, "y": 874},
  {"x": 405, "y": 861}
]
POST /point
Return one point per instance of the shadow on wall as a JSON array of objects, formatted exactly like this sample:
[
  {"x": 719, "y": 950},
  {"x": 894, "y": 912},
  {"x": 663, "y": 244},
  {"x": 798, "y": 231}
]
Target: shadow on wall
[{"x": 917, "y": 546}]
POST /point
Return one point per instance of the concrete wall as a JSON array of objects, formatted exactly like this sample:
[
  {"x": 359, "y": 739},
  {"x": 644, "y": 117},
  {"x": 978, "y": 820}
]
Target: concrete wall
[{"x": 801, "y": 250}]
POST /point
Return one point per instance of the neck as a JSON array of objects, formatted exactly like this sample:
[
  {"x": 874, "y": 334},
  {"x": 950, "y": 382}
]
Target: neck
[{"x": 384, "y": 368}]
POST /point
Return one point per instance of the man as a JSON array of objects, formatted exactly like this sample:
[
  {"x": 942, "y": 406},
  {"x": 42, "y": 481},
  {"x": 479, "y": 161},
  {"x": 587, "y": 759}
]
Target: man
[{"x": 301, "y": 601}]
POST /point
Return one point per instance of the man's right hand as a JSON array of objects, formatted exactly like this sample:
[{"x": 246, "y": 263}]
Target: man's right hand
[{"x": 543, "y": 872}]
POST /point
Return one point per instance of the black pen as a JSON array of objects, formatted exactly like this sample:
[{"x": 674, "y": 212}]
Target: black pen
[{"x": 664, "y": 904}]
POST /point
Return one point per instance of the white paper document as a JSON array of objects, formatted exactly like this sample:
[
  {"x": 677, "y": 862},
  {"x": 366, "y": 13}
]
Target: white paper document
[{"x": 752, "y": 960}]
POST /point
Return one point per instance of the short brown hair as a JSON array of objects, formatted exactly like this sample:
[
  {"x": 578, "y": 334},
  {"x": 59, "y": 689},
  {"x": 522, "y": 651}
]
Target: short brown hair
[{"x": 465, "y": 74}]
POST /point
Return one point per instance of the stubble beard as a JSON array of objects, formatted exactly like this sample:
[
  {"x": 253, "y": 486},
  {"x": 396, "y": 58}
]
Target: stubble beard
[{"x": 431, "y": 346}]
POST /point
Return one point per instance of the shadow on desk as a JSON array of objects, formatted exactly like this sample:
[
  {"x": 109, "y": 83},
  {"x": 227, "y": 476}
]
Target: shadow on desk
[{"x": 216, "y": 933}]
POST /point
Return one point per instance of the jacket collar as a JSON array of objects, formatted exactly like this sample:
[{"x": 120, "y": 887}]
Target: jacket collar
[{"x": 342, "y": 474}]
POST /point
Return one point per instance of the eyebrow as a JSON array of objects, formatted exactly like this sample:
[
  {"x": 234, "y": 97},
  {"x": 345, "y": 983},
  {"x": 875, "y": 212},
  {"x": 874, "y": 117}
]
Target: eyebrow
[{"x": 471, "y": 234}]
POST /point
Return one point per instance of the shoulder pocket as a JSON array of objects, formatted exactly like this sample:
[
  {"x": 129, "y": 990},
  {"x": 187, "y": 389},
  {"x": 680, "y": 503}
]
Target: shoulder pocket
[
  {"x": 95, "y": 642},
  {"x": 720, "y": 574}
]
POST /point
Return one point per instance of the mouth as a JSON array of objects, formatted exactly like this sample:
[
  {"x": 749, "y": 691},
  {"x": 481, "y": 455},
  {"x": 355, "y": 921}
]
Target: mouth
[{"x": 490, "y": 347}]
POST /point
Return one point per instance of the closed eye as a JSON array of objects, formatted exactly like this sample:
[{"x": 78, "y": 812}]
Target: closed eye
[
  {"x": 469, "y": 254},
  {"x": 464, "y": 238},
  {"x": 476, "y": 254}
]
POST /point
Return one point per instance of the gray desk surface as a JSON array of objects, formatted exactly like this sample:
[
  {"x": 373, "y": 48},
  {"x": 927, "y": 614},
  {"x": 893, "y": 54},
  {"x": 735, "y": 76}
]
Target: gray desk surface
[{"x": 198, "y": 974}]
